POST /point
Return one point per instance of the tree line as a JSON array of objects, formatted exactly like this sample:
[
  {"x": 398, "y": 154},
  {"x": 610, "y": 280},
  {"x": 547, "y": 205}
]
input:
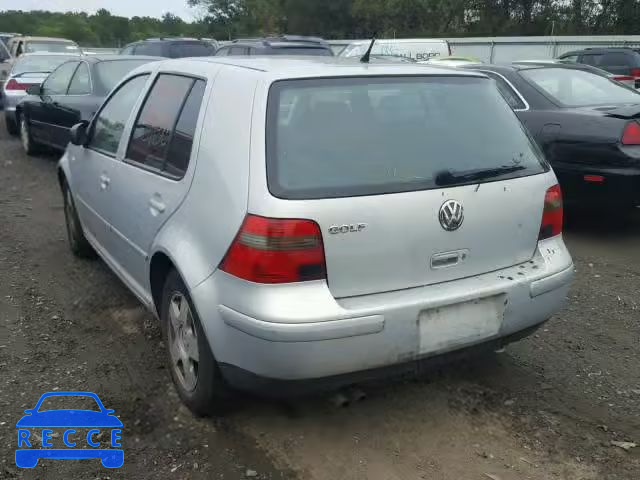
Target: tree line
[
  {"x": 101, "y": 29},
  {"x": 226, "y": 19}
]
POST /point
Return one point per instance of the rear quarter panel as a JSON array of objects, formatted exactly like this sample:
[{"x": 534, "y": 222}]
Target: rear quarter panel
[
  {"x": 198, "y": 235},
  {"x": 582, "y": 138}
]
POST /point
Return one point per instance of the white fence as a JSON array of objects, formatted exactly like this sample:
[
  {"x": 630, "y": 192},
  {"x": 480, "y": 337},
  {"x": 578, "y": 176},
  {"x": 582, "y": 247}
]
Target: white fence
[{"x": 508, "y": 49}]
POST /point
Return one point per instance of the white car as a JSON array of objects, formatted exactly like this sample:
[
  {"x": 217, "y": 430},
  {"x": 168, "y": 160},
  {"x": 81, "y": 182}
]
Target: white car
[
  {"x": 301, "y": 222},
  {"x": 418, "y": 49},
  {"x": 28, "y": 70}
]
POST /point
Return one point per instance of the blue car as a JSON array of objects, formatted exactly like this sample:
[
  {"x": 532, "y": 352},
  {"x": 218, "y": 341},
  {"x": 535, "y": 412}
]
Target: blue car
[{"x": 28, "y": 452}]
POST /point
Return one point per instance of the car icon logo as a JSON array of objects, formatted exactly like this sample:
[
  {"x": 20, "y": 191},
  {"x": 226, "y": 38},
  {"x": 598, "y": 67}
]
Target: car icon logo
[
  {"x": 80, "y": 433},
  {"x": 451, "y": 215}
]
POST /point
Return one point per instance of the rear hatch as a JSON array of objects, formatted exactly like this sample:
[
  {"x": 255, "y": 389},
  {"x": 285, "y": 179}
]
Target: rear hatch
[{"x": 412, "y": 180}]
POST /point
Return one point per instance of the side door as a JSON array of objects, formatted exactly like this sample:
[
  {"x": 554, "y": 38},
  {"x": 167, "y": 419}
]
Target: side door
[
  {"x": 67, "y": 110},
  {"x": 44, "y": 116},
  {"x": 151, "y": 182},
  {"x": 92, "y": 165}
]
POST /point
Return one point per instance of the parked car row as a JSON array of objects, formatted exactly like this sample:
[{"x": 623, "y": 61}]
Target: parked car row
[{"x": 370, "y": 234}]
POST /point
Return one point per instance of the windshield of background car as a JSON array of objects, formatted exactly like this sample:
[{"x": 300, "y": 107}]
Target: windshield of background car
[
  {"x": 111, "y": 72},
  {"x": 55, "y": 47},
  {"x": 340, "y": 137},
  {"x": 577, "y": 88},
  {"x": 39, "y": 64}
]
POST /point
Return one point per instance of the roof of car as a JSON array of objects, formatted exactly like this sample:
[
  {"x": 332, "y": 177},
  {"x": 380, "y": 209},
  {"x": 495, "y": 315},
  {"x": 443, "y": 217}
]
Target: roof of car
[
  {"x": 171, "y": 39},
  {"x": 600, "y": 49},
  {"x": 107, "y": 57},
  {"x": 319, "y": 66},
  {"x": 46, "y": 39},
  {"x": 52, "y": 54},
  {"x": 523, "y": 66}
]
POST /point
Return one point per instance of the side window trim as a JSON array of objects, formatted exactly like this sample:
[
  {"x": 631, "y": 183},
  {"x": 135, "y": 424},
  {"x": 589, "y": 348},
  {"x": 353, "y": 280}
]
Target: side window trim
[
  {"x": 512, "y": 87},
  {"x": 104, "y": 104},
  {"x": 161, "y": 172},
  {"x": 74, "y": 75}
]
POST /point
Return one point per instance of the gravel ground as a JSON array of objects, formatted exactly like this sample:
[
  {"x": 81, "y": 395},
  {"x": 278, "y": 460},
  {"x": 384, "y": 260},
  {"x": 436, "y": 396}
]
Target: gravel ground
[{"x": 549, "y": 407}]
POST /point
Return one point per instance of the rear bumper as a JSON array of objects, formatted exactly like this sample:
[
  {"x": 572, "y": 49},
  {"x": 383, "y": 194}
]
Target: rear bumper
[
  {"x": 277, "y": 388},
  {"x": 619, "y": 186},
  {"x": 301, "y": 332}
]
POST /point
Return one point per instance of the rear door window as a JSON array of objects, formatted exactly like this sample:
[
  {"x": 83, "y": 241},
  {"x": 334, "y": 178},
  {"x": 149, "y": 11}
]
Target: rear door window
[
  {"x": 58, "y": 82},
  {"x": 341, "y": 137},
  {"x": 81, "y": 81},
  {"x": 152, "y": 140},
  {"x": 182, "y": 140}
]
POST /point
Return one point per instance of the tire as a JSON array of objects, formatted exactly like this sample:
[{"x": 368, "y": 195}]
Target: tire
[
  {"x": 199, "y": 383},
  {"x": 12, "y": 126},
  {"x": 78, "y": 243},
  {"x": 28, "y": 144}
]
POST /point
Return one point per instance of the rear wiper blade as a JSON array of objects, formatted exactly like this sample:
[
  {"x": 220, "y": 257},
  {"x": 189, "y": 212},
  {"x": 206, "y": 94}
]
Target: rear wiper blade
[{"x": 451, "y": 177}]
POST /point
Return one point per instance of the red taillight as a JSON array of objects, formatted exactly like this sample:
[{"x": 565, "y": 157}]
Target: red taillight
[
  {"x": 631, "y": 135},
  {"x": 552, "y": 213},
  {"x": 272, "y": 250},
  {"x": 623, "y": 78},
  {"x": 13, "y": 85},
  {"x": 594, "y": 178},
  {"x": 635, "y": 72}
]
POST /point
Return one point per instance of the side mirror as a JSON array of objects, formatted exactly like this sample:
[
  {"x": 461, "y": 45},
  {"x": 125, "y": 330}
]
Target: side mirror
[
  {"x": 78, "y": 133},
  {"x": 29, "y": 410},
  {"x": 109, "y": 411},
  {"x": 34, "y": 90}
]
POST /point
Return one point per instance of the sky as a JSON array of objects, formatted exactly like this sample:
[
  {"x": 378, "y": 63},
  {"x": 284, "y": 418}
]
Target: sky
[{"x": 125, "y": 8}]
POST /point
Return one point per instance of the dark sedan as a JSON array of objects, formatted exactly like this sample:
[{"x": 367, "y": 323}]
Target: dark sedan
[
  {"x": 586, "y": 124},
  {"x": 73, "y": 92}
]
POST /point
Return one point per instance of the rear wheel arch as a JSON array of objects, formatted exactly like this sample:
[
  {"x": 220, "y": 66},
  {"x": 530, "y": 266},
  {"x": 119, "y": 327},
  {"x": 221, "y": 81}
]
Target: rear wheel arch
[{"x": 159, "y": 268}]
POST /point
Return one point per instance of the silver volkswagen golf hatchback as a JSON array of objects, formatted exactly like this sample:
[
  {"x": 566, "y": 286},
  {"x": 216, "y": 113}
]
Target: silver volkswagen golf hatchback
[{"x": 299, "y": 222}]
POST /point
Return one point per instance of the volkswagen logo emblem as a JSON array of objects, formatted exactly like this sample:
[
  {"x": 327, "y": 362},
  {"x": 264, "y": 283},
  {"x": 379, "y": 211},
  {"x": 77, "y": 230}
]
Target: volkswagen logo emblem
[{"x": 451, "y": 215}]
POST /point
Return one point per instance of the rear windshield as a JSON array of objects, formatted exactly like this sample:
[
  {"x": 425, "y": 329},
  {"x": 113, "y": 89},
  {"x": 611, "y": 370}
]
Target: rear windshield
[
  {"x": 195, "y": 49},
  {"x": 366, "y": 136},
  {"x": 111, "y": 72},
  {"x": 39, "y": 64},
  {"x": 577, "y": 88},
  {"x": 56, "y": 47},
  {"x": 326, "y": 52}
]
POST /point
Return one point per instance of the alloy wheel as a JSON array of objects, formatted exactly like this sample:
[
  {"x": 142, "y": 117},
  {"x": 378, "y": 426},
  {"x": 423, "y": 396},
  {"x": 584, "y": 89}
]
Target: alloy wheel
[{"x": 183, "y": 342}]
